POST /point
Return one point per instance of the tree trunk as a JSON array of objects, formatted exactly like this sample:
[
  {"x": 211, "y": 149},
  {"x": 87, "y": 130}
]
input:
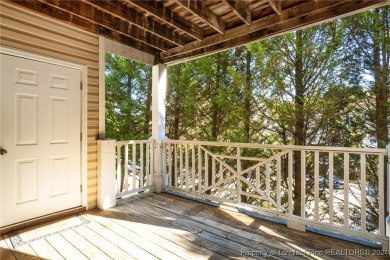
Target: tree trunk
[
  {"x": 381, "y": 88},
  {"x": 177, "y": 108},
  {"x": 248, "y": 96},
  {"x": 176, "y": 122},
  {"x": 148, "y": 110},
  {"x": 299, "y": 135},
  {"x": 247, "y": 116}
]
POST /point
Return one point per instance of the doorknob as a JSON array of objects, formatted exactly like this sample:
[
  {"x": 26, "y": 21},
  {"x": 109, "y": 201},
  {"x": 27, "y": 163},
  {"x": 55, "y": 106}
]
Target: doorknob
[{"x": 2, "y": 151}]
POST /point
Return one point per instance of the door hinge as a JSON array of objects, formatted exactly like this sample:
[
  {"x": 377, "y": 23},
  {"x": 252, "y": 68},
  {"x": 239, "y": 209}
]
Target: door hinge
[
  {"x": 81, "y": 136},
  {"x": 81, "y": 188},
  {"x": 81, "y": 85}
]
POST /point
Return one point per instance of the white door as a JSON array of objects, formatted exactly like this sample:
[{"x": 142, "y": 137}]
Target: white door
[{"x": 40, "y": 133}]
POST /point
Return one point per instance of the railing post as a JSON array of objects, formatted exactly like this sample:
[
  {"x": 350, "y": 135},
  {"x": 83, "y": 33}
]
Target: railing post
[
  {"x": 157, "y": 169},
  {"x": 293, "y": 222},
  {"x": 106, "y": 185},
  {"x": 238, "y": 174}
]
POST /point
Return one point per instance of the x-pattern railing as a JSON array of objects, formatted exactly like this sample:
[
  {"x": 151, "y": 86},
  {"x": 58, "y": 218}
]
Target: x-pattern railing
[
  {"x": 341, "y": 189},
  {"x": 333, "y": 188}
]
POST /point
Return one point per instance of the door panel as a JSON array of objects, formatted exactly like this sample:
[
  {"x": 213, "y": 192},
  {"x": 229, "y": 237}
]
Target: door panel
[
  {"x": 26, "y": 125},
  {"x": 59, "y": 175},
  {"x": 26, "y": 180},
  {"x": 40, "y": 129},
  {"x": 59, "y": 120}
]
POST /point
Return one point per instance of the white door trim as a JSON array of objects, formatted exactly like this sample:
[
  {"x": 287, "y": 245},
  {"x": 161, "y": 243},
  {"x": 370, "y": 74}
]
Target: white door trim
[{"x": 84, "y": 131}]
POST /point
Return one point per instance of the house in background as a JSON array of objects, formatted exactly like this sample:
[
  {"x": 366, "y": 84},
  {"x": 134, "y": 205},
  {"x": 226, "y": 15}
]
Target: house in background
[{"x": 52, "y": 93}]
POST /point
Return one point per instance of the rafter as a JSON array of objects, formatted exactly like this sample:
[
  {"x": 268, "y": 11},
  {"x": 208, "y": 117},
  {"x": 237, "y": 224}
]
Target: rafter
[
  {"x": 265, "y": 22},
  {"x": 300, "y": 17},
  {"x": 159, "y": 11},
  {"x": 119, "y": 10},
  {"x": 155, "y": 26},
  {"x": 110, "y": 23},
  {"x": 276, "y": 5},
  {"x": 239, "y": 9},
  {"x": 196, "y": 8},
  {"x": 83, "y": 24}
]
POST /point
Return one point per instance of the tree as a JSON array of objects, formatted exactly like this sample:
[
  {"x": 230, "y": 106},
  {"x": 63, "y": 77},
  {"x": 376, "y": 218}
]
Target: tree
[
  {"x": 299, "y": 70},
  {"x": 369, "y": 40},
  {"x": 128, "y": 98},
  {"x": 368, "y": 36}
]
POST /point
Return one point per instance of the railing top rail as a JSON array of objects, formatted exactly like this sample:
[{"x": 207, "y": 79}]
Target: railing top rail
[
  {"x": 134, "y": 142},
  {"x": 282, "y": 147}
]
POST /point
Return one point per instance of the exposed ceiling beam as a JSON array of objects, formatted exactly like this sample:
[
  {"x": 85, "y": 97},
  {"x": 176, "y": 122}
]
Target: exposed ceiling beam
[
  {"x": 262, "y": 23},
  {"x": 110, "y": 23},
  {"x": 159, "y": 11},
  {"x": 276, "y": 5},
  {"x": 300, "y": 17},
  {"x": 84, "y": 24},
  {"x": 196, "y": 8},
  {"x": 119, "y": 10},
  {"x": 239, "y": 9}
]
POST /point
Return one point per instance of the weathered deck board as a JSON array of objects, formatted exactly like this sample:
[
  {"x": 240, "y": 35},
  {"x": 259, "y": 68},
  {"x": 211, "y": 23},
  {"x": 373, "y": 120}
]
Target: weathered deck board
[
  {"x": 179, "y": 235},
  {"x": 5, "y": 252},
  {"x": 164, "y": 243},
  {"x": 151, "y": 226},
  {"x": 44, "y": 250},
  {"x": 66, "y": 249},
  {"x": 108, "y": 242},
  {"x": 216, "y": 235},
  {"x": 204, "y": 238},
  {"x": 85, "y": 247},
  {"x": 135, "y": 239},
  {"x": 23, "y": 252},
  {"x": 236, "y": 222}
]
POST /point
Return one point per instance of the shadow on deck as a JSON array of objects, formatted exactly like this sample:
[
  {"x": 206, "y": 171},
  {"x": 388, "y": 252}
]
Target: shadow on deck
[{"x": 151, "y": 226}]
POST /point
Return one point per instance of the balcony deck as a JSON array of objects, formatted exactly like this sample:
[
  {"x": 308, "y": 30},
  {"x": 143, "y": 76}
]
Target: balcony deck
[{"x": 164, "y": 226}]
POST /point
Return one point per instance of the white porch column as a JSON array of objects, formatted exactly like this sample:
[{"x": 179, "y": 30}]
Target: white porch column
[
  {"x": 159, "y": 87},
  {"x": 106, "y": 183}
]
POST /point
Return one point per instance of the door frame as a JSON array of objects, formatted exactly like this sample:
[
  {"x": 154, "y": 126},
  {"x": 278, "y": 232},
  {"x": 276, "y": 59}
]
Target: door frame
[{"x": 84, "y": 130}]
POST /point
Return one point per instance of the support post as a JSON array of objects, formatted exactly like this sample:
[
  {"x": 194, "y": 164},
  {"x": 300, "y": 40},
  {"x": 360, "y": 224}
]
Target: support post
[
  {"x": 106, "y": 184},
  {"x": 239, "y": 187},
  {"x": 159, "y": 87},
  {"x": 297, "y": 225}
]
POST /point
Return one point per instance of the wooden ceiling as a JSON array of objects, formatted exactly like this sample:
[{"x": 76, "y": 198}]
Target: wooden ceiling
[{"x": 178, "y": 30}]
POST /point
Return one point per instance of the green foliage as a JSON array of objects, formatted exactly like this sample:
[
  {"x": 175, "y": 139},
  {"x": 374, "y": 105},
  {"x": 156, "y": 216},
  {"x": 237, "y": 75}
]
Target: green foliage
[
  {"x": 128, "y": 99},
  {"x": 367, "y": 65},
  {"x": 208, "y": 98},
  {"x": 319, "y": 86}
]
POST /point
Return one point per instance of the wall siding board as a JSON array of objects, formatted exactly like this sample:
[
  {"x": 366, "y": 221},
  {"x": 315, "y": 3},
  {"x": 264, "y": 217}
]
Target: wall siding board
[
  {"x": 41, "y": 49},
  {"x": 15, "y": 33},
  {"x": 46, "y": 23},
  {"x": 28, "y": 31},
  {"x": 62, "y": 38}
]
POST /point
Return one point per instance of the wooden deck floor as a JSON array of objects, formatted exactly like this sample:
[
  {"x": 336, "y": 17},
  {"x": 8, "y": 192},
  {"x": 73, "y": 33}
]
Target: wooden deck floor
[{"x": 164, "y": 226}]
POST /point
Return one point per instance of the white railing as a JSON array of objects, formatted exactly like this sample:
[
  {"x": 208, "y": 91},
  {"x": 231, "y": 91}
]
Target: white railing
[
  {"x": 340, "y": 189},
  {"x": 134, "y": 166}
]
